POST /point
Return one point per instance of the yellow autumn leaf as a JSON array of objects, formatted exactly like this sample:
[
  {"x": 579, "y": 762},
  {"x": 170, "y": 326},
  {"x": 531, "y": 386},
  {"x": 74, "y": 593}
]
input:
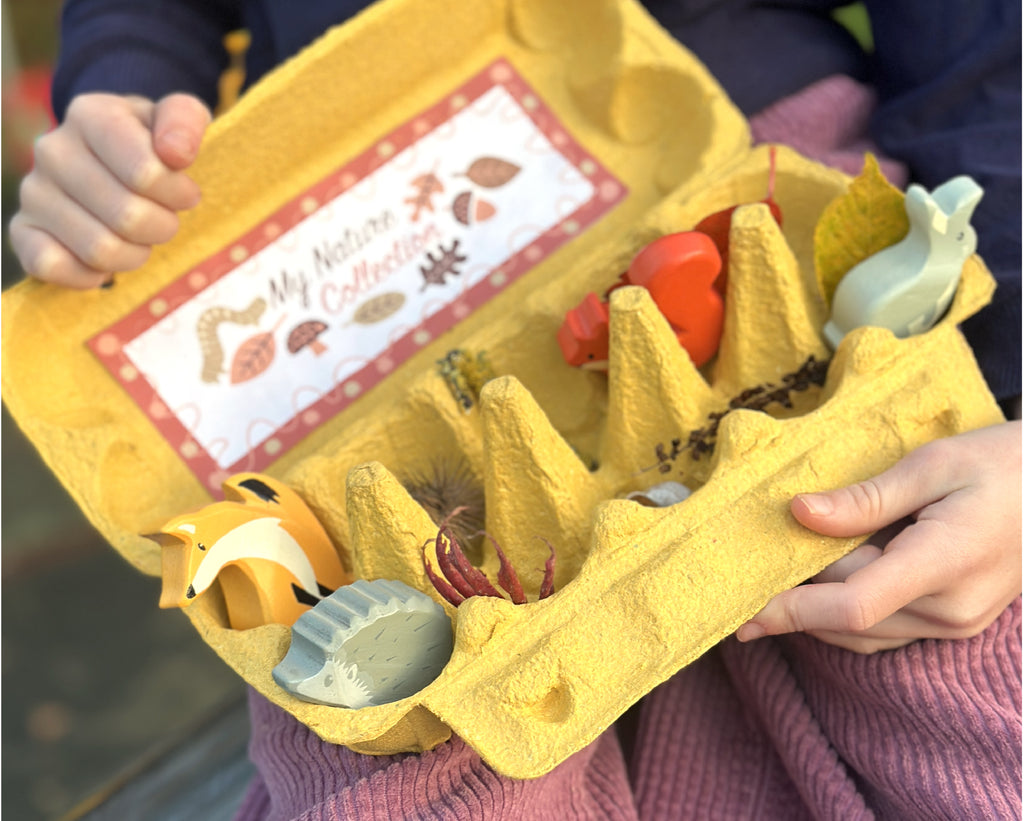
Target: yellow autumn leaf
[{"x": 870, "y": 216}]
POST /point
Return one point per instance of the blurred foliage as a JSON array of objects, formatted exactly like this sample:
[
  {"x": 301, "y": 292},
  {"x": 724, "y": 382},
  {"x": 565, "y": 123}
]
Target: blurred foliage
[
  {"x": 855, "y": 18},
  {"x": 33, "y": 30}
]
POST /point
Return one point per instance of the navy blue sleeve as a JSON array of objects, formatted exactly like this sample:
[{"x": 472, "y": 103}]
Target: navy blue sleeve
[
  {"x": 948, "y": 74},
  {"x": 155, "y": 47},
  {"x": 761, "y": 52},
  {"x": 146, "y": 47}
]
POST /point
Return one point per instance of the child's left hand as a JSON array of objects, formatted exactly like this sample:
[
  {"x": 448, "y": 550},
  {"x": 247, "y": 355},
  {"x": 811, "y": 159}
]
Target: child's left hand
[{"x": 948, "y": 574}]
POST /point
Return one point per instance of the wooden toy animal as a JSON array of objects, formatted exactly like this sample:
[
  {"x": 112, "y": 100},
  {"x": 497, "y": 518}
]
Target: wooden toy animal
[
  {"x": 270, "y": 554},
  {"x": 371, "y": 642},
  {"x": 583, "y": 336},
  {"x": 679, "y": 271},
  {"x": 908, "y": 286}
]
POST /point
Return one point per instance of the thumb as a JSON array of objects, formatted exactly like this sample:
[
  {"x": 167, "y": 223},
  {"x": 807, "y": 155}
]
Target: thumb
[
  {"x": 179, "y": 122},
  {"x": 911, "y": 484}
]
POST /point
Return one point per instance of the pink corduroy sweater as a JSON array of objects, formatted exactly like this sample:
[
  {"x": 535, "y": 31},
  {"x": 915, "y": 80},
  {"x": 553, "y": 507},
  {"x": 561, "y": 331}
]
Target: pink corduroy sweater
[{"x": 784, "y": 728}]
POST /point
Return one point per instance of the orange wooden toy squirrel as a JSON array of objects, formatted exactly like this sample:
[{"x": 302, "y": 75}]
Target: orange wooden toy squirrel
[{"x": 687, "y": 276}]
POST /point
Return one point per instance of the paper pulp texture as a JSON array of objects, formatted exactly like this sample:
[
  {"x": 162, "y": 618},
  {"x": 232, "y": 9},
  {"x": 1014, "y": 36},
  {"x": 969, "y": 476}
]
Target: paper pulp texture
[{"x": 640, "y": 592}]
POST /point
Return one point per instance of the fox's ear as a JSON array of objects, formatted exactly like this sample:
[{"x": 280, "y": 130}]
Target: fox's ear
[
  {"x": 252, "y": 487},
  {"x": 165, "y": 539}
]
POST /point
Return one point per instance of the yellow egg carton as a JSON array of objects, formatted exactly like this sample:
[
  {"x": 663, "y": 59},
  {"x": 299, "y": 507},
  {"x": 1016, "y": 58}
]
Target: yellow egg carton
[{"x": 640, "y": 591}]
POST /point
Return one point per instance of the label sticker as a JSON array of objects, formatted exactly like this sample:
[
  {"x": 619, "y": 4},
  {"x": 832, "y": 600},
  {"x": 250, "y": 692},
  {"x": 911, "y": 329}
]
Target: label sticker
[{"x": 248, "y": 352}]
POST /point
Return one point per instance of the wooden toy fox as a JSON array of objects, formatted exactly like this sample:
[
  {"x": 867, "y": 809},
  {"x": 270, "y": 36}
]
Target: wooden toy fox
[{"x": 270, "y": 554}]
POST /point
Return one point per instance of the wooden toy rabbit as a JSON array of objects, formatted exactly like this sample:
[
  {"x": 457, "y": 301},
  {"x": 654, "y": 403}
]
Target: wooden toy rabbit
[{"x": 908, "y": 286}]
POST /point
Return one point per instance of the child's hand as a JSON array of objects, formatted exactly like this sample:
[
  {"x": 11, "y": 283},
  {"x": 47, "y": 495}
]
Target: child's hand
[
  {"x": 106, "y": 186},
  {"x": 948, "y": 574}
]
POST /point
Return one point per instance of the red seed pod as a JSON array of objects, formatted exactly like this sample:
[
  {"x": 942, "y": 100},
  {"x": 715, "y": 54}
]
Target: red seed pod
[
  {"x": 450, "y": 594},
  {"x": 547, "y": 587},
  {"x": 507, "y": 577}
]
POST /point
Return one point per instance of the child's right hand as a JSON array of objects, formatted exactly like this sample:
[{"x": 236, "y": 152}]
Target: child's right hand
[
  {"x": 106, "y": 186},
  {"x": 947, "y": 575}
]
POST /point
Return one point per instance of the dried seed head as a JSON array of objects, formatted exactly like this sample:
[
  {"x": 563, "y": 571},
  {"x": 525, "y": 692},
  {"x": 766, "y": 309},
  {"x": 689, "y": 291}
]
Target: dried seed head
[{"x": 443, "y": 488}]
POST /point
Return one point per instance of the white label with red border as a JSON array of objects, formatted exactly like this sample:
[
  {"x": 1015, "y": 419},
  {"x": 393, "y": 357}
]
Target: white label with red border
[{"x": 244, "y": 355}]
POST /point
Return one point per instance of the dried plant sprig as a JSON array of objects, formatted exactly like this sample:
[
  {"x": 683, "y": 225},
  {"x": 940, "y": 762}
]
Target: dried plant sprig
[
  {"x": 447, "y": 486},
  {"x": 459, "y": 580},
  {"x": 702, "y": 441}
]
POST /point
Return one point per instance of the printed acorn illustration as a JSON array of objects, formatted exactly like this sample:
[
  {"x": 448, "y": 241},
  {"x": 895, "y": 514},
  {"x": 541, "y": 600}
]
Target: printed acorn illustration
[
  {"x": 272, "y": 557},
  {"x": 485, "y": 172},
  {"x": 469, "y": 209},
  {"x": 908, "y": 286}
]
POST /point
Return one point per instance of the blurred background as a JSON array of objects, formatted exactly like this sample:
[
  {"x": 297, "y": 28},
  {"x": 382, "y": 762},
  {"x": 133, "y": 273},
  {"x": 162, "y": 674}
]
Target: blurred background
[{"x": 99, "y": 684}]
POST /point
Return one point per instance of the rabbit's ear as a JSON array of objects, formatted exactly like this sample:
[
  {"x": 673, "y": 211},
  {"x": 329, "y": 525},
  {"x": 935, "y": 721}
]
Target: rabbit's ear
[
  {"x": 923, "y": 210},
  {"x": 959, "y": 196},
  {"x": 940, "y": 222}
]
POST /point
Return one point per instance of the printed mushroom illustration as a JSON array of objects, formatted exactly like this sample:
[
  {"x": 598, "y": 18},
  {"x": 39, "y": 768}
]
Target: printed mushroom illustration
[{"x": 307, "y": 335}]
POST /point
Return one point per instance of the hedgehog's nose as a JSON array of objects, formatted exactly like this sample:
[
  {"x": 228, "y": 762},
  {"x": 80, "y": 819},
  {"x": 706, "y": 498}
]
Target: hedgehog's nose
[{"x": 293, "y": 670}]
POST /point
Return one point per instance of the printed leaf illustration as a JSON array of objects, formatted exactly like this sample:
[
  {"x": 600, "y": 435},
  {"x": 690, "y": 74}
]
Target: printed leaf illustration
[
  {"x": 254, "y": 356},
  {"x": 426, "y": 185},
  {"x": 870, "y": 216},
  {"x": 468, "y": 209},
  {"x": 491, "y": 172},
  {"x": 445, "y": 262},
  {"x": 379, "y": 308},
  {"x": 209, "y": 343}
]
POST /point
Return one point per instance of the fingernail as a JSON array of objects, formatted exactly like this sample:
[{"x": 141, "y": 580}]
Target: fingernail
[
  {"x": 180, "y": 142},
  {"x": 817, "y": 504},
  {"x": 750, "y": 631}
]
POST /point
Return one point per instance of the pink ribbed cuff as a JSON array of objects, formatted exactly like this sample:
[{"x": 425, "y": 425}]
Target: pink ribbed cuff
[{"x": 302, "y": 777}]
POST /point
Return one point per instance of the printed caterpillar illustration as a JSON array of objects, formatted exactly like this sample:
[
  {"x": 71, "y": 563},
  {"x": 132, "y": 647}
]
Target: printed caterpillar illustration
[{"x": 206, "y": 331}]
